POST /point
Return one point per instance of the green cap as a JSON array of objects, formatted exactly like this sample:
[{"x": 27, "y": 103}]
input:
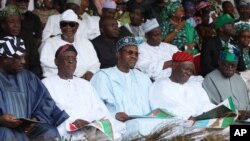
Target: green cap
[
  {"x": 222, "y": 20},
  {"x": 9, "y": 10},
  {"x": 228, "y": 56}
]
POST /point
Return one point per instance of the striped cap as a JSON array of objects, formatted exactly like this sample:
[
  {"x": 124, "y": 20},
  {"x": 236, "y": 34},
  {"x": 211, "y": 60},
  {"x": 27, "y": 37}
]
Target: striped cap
[
  {"x": 11, "y": 46},
  {"x": 182, "y": 56}
]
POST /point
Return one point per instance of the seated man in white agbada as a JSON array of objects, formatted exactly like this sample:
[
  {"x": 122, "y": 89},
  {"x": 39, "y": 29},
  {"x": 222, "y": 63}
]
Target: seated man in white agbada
[
  {"x": 155, "y": 57},
  {"x": 87, "y": 63},
  {"x": 77, "y": 97},
  {"x": 177, "y": 94}
]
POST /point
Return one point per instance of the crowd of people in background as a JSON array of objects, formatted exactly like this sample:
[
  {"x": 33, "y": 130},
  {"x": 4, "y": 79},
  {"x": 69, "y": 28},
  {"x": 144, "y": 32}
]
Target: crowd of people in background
[{"x": 77, "y": 61}]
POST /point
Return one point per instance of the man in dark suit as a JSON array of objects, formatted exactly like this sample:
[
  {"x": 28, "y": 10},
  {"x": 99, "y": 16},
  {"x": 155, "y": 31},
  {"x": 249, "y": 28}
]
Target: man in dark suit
[{"x": 212, "y": 46}]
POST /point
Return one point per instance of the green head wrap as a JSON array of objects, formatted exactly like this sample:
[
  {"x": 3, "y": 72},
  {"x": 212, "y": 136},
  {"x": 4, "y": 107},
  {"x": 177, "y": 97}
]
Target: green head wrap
[
  {"x": 9, "y": 10},
  {"x": 242, "y": 26},
  {"x": 228, "y": 56},
  {"x": 169, "y": 9}
]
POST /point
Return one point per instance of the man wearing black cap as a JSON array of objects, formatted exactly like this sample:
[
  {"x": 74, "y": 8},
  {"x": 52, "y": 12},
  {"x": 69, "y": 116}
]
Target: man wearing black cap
[{"x": 22, "y": 95}]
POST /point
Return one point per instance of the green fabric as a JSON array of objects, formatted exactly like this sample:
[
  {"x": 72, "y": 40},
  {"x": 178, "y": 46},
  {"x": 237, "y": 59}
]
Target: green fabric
[
  {"x": 193, "y": 51},
  {"x": 222, "y": 20},
  {"x": 190, "y": 32},
  {"x": 246, "y": 59},
  {"x": 125, "y": 19},
  {"x": 181, "y": 37},
  {"x": 228, "y": 56},
  {"x": 9, "y": 10},
  {"x": 242, "y": 26},
  {"x": 169, "y": 9}
]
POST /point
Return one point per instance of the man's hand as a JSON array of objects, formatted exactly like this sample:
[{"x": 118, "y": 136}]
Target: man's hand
[
  {"x": 80, "y": 123},
  {"x": 121, "y": 116},
  {"x": 9, "y": 121},
  {"x": 191, "y": 46},
  {"x": 28, "y": 127},
  {"x": 243, "y": 115},
  {"x": 88, "y": 75},
  {"x": 180, "y": 25}
]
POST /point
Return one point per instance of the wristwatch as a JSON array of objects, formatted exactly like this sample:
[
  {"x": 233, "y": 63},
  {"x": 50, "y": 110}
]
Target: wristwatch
[{"x": 176, "y": 30}]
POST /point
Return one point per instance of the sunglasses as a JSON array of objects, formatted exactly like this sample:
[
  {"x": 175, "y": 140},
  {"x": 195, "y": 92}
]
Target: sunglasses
[{"x": 71, "y": 24}]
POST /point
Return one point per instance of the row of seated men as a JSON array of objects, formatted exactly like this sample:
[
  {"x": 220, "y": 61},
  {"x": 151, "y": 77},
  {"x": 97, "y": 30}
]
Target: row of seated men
[
  {"x": 223, "y": 81},
  {"x": 104, "y": 44},
  {"x": 113, "y": 93}
]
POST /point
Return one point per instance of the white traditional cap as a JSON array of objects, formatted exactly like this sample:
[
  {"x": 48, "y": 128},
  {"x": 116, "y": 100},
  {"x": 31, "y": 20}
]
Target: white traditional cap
[
  {"x": 77, "y": 2},
  {"x": 150, "y": 25},
  {"x": 69, "y": 15},
  {"x": 109, "y": 4}
]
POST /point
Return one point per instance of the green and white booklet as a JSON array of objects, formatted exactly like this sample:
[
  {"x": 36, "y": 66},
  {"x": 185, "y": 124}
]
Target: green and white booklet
[
  {"x": 221, "y": 116},
  {"x": 103, "y": 125}
]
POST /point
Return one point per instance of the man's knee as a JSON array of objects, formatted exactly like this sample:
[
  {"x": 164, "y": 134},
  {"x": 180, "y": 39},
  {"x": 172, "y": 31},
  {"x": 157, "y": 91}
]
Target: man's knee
[
  {"x": 7, "y": 134},
  {"x": 42, "y": 132}
]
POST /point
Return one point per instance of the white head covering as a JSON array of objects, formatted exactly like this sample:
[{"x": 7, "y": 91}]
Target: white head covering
[
  {"x": 69, "y": 15},
  {"x": 150, "y": 25},
  {"x": 77, "y": 2},
  {"x": 109, "y": 4}
]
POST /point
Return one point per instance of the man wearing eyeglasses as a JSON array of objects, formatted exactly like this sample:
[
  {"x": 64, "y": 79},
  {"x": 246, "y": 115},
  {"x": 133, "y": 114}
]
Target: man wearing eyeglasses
[
  {"x": 87, "y": 61},
  {"x": 123, "y": 89},
  {"x": 225, "y": 82}
]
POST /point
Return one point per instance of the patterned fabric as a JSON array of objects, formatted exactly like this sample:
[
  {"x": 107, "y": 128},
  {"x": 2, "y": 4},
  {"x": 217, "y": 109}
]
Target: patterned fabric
[
  {"x": 228, "y": 56},
  {"x": 15, "y": 94},
  {"x": 242, "y": 26},
  {"x": 11, "y": 46},
  {"x": 169, "y": 9},
  {"x": 9, "y": 10},
  {"x": 215, "y": 6},
  {"x": 65, "y": 48},
  {"x": 181, "y": 37},
  {"x": 246, "y": 58},
  {"x": 125, "y": 42},
  {"x": 182, "y": 56}
]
